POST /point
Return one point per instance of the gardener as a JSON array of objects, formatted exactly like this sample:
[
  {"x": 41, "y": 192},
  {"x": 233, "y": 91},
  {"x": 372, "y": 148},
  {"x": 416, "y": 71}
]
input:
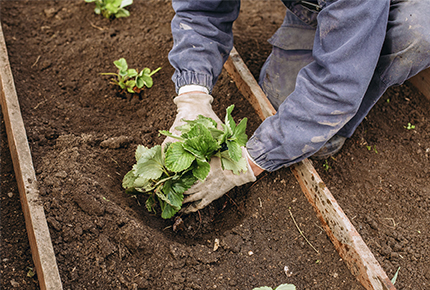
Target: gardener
[{"x": 331, "y": 62}]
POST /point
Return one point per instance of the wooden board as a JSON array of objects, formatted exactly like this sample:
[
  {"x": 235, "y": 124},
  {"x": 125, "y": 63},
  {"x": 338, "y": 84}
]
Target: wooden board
[
  {"x": 422, "y": 82},
  {"x": 338, "y": 227},
  {"x": 35, "y": 221}
]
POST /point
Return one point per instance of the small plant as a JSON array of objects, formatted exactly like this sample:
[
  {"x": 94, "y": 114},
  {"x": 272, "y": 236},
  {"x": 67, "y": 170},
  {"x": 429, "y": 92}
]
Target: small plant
[
  {"x": 166, "y": 174},
  {"x": 326, "y": 165},
  {"x": 129, "y": 79},
  {"x": 370, "y": 148},
  {"x": 394, "y": 279},
  {"x": 409, "y": 126},
  {"x": 280, "y": 287},
  {"x": 31, "y": 273},
  {"x": 111, "y": 8}
]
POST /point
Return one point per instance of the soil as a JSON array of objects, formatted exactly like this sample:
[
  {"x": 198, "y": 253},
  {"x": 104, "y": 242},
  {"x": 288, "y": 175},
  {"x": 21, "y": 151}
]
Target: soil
[{"x": 83, "y": 136}]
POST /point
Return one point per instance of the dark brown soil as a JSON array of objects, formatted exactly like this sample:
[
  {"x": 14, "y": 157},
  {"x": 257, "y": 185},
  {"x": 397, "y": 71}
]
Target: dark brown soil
[{"x": 83, "y": 136}]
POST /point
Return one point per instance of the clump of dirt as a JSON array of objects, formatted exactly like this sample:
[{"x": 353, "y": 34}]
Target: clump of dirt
[{"x": 83, "y": 138}]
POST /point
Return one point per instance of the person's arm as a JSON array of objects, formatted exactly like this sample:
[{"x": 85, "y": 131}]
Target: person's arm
[
  {"x": 328, "y": 91},
  {"x": 202, "y": 40}
]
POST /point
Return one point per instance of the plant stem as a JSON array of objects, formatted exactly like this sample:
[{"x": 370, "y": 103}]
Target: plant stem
[{"x": 301, "y": 233}]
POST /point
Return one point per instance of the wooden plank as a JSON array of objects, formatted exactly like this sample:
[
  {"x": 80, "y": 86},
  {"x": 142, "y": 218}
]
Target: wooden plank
[
  {"x": 36, "y": 225},
  {"x": 243, "y": 78},
  {"x": 338, "y": 227},
  {"x": 422, "y": 82}
]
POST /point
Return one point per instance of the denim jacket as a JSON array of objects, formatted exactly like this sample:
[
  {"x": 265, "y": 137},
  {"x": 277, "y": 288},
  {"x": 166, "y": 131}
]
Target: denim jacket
[{"x": 328, "y": 92}]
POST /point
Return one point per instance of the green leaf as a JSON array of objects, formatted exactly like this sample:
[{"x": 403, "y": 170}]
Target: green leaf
[
  {"x": 140, "y": 151},
  {"x": 229, "y": 164},
  {"x": 162, "y": 197},
  {"x": 202, "y": 146},
  {"x": 207, "y": 122},
  {"x": 121, "y": 64},
  {"x": 116, "y": 3},
  {"x": 286, "y": 287},
  {"x": 263, "y": 288},
  {"x": 168, "y": 134},
  {"x": 395, "y": 276},
  {"x": 175, "y": 198},
  {"x": 150, "y": 163},
  {"x": 126, "y": 3},
  {"x": 239, "y": 133},
  {"x": 234, "y": 150},
  {"x": 143, "y": 183},
  {"x": 132, "y": 72},
  {"x": 202, "y": 169},
  {"x": 168, "y": 211},
  {"x": 130, "y": 85},
  {"x": 128, "y": 180},
  {"x": 147, "y": 80},
  {"x": 184, "y": 182},
  {"x": 229, "y": 122},
  {"x": 139, "y": 82},
  {"x": 177, "y": 158}
]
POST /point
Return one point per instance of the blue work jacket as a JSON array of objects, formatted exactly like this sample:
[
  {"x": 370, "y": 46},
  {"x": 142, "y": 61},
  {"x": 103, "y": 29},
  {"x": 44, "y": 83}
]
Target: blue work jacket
[{"x": 328, "y": 92}]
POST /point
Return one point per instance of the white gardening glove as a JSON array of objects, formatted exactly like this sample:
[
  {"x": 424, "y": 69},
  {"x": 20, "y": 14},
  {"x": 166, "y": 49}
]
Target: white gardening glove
[
  {"x": 189, "y": 107},
  {"x": 217, "y": 183}
]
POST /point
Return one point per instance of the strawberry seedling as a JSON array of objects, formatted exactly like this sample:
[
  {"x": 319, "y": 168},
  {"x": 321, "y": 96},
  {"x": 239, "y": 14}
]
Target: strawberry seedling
[
  {"x": 111, "y": 8},
  {"x": 166, "y": 174},
  {"x": 129, "y": 79}
]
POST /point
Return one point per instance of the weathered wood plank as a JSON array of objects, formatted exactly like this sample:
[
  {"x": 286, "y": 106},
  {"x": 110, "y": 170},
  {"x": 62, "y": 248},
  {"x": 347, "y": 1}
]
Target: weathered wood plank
[
  {"x": 422, "y": 82},
  {"x": 243, "y": 78},
  {"x": 36, "y": 225},
  {"x": 338, "y": 227}
]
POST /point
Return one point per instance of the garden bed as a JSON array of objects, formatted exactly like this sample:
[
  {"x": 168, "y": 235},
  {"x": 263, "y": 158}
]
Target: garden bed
[{"x": 103, "y": 239}]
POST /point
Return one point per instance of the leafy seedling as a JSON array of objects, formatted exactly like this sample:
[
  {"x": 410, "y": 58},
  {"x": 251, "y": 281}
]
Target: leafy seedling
[
  {"x": 111, "y": 8},
  {"x": 165, "y": 174},
  {"x": 326, "y": 165},
  {"x": 129, "y": 79},
  {"x": 370, "y": 148},
  {"x": 31, "y": 273},
  {"x": 409, "y": 126}
]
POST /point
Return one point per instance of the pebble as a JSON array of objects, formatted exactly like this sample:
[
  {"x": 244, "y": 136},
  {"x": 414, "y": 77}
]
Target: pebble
[
  {"x": 216, "y": 245},
  {"x": 116, "y": 142},
  {"x": 10, "y": 194},
  {"x": 61, "y": 174},
  {"x": 54, "y": 223},
  {"x": 14, "y": 283}
]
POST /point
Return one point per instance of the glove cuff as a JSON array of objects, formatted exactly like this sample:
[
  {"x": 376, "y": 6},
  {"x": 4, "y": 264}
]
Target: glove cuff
[
  {"x": 193, "y": 99},
  {"x": 192, "y": 88}
]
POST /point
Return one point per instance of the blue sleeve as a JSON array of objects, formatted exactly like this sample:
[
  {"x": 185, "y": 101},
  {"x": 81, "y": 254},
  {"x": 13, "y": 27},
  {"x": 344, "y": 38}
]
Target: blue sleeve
[
  {"x": 202, "y": 40},
  {"x": 329, "y": 90}
]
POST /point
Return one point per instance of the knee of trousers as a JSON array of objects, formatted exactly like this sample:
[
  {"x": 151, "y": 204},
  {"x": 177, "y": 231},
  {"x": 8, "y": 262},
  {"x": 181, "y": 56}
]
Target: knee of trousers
[
  {"x": 406, "y": 50},
  {"x": 279, "y": 73}
]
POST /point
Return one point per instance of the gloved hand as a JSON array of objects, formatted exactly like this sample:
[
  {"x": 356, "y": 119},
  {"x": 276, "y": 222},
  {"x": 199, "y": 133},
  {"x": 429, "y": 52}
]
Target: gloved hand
[
  {"x": 189, "y": 106},
  {"x": 217, "y": 183}
]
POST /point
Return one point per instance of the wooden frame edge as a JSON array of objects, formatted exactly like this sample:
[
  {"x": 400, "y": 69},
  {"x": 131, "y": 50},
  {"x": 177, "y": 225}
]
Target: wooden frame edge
[
  {"x": 347, "y": 241},
  {"x": 37, "y": 228},
  {"x": 422, "y": 82}
]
